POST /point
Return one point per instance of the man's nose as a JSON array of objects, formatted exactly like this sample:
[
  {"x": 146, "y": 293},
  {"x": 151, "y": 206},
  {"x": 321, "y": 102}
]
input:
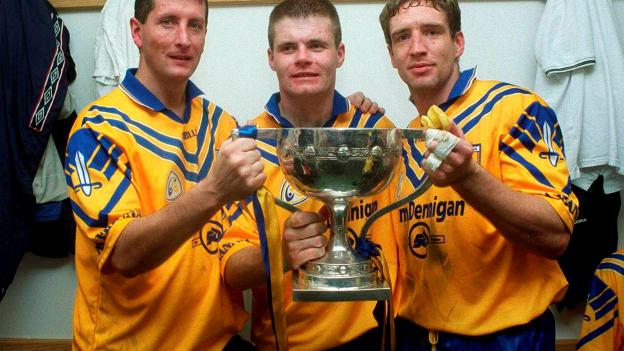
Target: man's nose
[
  {"x": 417, "y": 44},
  {"x": 183, "y": 36},
  {"x": 302, "y": 54}
]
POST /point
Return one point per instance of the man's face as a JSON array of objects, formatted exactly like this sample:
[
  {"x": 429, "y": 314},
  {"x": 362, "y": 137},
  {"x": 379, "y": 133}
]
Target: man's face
[
  {"x": 305, "y": 56},
  {"x": 172, "y": 38},
  {"x": 422, "y": 48}
]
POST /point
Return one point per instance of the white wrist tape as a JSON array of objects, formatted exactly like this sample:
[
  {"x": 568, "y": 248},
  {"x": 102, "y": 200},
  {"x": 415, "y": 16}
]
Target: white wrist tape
[
  {"x": 446, "y": 142},
  {"x": 432, "y": 162}
]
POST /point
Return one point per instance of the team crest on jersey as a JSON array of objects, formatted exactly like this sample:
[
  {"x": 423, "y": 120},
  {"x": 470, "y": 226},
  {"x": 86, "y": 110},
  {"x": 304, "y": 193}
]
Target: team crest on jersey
[
  {"x": 288, "y": 194},
  {"x": 209, "y": 237},
  {"x": 84, "y": 180},
  {"x": 552, "y": 156},
  {"x": 174, "y": 186},
  {"x": 420, "y": 238}
]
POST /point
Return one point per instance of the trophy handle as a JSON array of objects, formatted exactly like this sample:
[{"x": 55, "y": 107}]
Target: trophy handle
[
  {"x": 253, "y": 132},
  {"x": 407, "y": 133},
  {"x": 426, "y": 184},
  {"x": 413, "y": 133}
]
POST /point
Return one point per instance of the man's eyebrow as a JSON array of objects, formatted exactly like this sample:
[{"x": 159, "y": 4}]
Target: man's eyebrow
[{"x": 399, "y": 31}]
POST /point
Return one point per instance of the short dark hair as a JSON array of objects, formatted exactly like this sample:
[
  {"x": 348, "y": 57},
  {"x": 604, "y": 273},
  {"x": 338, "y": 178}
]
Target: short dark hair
[
  {"x": 305, "y": 9},
  {"x": 142, "y": 8},
  {"x": 449, "y": 7}
]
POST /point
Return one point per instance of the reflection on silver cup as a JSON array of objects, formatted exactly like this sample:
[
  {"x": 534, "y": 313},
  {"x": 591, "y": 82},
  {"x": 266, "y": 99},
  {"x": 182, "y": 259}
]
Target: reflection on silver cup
[{"x": 337, "y": 166}]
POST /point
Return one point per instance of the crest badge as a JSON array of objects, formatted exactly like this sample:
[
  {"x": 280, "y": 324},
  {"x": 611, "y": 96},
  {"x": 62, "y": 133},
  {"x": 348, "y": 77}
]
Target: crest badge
[
  {"x": 174, "y": 186},
  {"x": 290, "y": 195}
]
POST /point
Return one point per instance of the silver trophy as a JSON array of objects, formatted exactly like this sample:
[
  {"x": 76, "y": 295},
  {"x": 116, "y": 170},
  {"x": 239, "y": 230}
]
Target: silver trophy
[{"x": 337, "y": 166}]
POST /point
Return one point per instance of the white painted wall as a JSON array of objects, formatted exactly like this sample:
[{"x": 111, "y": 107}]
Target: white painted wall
[{"x": 235, "y": 74}]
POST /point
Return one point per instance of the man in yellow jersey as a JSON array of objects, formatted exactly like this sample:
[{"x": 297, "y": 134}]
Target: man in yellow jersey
[
  {"x": 602, "y": 327},
  {"x": 149, "y": 169},
  {"x": 477, "y": 250},
  {"x": 305, "y": 50}
]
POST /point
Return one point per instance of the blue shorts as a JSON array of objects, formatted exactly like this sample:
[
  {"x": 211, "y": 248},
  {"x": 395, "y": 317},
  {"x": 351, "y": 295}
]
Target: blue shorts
[{"x": 537, "y": 335}]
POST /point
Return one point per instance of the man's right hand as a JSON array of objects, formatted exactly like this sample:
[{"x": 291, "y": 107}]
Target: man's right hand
[
  {"x": 303, "y": 238},
  {"x": 238, "y": 171}
]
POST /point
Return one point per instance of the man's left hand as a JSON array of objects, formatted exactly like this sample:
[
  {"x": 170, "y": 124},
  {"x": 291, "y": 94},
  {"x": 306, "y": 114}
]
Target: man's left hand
[{"x": 448, "y": 158}]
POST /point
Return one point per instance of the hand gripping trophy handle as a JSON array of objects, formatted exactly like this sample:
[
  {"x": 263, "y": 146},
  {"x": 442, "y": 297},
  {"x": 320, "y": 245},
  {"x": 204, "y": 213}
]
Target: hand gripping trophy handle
[{"x": 337, "y": 166}]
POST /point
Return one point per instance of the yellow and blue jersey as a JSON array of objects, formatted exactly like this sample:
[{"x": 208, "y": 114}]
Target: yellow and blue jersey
[
  {"x": 602, "y": 327},
  {"x": 311, "y": 325},
  {"x": 128, "y": 156},
  {"x": 457, "y": 273}
]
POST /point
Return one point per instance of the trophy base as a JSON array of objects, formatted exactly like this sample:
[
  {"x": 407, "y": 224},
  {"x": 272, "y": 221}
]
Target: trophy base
[{"x": 377, "y": 290}]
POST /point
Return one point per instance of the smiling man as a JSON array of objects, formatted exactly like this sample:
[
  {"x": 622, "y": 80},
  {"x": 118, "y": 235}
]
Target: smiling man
[
  {"x": 305, "y": 50},
  {"x": 149, "y": 170},
  {"x": 477, "y": 268}
]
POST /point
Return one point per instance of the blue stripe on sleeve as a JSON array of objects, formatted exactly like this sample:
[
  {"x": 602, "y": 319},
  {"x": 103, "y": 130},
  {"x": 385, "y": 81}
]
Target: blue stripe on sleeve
[
  {"x": 91, "y": 222},
  {"x": 545, "y": 115},
  {"x": 606, "y": 308},
  {"x": 188, "y": 175},
  {"x": 539, "y": 176},
  {"x": 518, "y": 134},
  {"x": 612, "y": 267},
  {"x": 114, "y": 200},
  {"x": 617, "y": 256},
  {"x": 597, "y": 332}
]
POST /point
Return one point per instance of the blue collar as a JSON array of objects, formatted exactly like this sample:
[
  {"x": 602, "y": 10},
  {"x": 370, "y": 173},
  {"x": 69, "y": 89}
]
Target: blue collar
[
  {"x": 463, "y": 83},
  {"x": 340, "y": 105},
  {"x": 140, "y": 94}
]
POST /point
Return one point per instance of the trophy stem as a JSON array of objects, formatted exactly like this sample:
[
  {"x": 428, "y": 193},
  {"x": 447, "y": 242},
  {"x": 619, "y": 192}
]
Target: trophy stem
[
  {"x": 341, "y": 274},
  {"x": 338, "y": 245}
]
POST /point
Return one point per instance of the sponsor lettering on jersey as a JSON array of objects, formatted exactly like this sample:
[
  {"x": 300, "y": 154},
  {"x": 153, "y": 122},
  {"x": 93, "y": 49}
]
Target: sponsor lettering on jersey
[
  {"x": 420, "y": 237},
  {"x": 187, "y": 134},
  {"x": 361, "y": 210},
  {"x": 435, "y": 209},
  {"x": 174, "y": 186}
]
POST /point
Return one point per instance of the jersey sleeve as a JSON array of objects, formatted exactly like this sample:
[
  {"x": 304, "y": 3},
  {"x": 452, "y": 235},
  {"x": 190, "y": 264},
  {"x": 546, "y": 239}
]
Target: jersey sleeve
[
  {"x": 533, "y": 162},
  {"x": 103, "y": 196},
  {"x": 241, "y": 233},
  {"x": 602, "y": 327}
]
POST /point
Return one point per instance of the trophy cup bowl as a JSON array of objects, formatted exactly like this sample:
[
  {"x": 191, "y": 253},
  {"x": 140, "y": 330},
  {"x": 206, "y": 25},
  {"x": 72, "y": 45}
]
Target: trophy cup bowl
[{"x": 337, "y": 166}]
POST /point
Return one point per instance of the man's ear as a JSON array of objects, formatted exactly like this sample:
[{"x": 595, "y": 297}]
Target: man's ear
[
  {"x": 135, "y": 30},
  {"x": 341, "y": 54},
  {"x": 459, "y": 45},
  {"x": 391, "y": 53},
  {"x": 270, "y": 57}
]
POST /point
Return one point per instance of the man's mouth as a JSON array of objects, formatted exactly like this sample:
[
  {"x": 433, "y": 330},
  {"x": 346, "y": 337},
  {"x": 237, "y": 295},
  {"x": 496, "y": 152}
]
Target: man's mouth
[
  {"x": 180, "y": 57},
  {"x": 304, "y": 75},
  {"x": 420, "y": 67}
]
